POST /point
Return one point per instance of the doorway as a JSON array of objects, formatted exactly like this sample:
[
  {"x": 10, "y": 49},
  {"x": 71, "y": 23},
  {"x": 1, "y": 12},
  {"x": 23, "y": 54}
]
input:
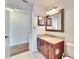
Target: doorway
[{"x": 18, "y": 30}]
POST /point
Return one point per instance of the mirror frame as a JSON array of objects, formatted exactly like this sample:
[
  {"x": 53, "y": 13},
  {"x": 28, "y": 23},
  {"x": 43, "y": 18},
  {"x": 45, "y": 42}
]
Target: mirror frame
[
  {"x": 62, "y": 22},
  {"x": 42, "y": 20}
]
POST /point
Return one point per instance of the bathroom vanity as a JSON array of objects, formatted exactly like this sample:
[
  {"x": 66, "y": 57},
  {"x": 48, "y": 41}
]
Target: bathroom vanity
[{"x": 51, "y": 47}]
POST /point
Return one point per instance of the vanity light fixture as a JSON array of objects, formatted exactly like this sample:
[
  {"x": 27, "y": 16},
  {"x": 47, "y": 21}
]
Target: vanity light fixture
[
  {"x": 40, "y": 17},
  {"x": 9, "y": 9},
  {"x": 51, "y": 11}
]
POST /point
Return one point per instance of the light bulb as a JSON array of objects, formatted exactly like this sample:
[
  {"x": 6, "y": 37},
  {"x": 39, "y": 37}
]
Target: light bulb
[
  {"x": 40, "y": 18},
  {"x": 52, "y": 11}
]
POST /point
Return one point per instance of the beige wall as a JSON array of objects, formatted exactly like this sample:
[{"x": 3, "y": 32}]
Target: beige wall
[{"x": 37, "y": 11}]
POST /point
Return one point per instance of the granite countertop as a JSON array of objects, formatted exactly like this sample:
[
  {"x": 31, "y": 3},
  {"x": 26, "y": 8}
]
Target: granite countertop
[{"x": 51, "y": 39}]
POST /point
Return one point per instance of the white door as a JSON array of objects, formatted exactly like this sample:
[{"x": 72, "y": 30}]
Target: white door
[{"x": 7, "y": 34}]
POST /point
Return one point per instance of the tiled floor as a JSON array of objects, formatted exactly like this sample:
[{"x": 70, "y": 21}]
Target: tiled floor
[{"x": 28, "y": 55}]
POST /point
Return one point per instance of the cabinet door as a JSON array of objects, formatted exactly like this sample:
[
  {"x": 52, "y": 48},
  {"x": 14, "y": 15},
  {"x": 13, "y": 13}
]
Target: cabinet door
[
  {"x": 50, "y": 55},
  {"x": 42, "y": 46},
  {"x": 51, "y": 52},
  {"x": 46, "y": 50},
  {"x": 38, "y": 44}
]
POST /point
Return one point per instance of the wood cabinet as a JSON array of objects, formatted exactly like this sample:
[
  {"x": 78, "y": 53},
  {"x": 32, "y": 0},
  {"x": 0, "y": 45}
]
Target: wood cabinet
[{"x": 50, "y": 50}]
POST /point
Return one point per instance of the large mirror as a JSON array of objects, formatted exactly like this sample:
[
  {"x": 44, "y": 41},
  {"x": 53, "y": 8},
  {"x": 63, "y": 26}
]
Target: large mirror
[{"x": 56, "y": 21}]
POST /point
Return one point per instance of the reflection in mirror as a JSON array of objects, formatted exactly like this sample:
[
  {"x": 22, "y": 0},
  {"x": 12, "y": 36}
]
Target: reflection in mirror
[
  {"x": 49, "y": 22},
  {"x": 56, "y": 22}
]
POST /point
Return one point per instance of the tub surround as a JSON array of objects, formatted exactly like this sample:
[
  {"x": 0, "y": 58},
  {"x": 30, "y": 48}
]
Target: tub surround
[
  {"x": 20, "y": 48},
  {"x": 52, "y": 47}
]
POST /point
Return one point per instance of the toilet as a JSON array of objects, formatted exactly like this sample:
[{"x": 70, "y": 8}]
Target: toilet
[
  {"x": 70, "y": 51},
  {"x": 67, "y": 58}
]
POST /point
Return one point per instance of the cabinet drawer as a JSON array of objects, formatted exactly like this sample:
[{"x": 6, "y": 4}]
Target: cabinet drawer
[
  {"x": 58, "y": 45},
  {"x": 41, "y": 42},
  {"x": 46, "y": 51}
]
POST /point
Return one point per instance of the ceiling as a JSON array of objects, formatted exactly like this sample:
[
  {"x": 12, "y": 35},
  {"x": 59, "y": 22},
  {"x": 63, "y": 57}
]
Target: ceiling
[
  {"x": 46, "y": 4},
  {"x": 18, "y": 4}
]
